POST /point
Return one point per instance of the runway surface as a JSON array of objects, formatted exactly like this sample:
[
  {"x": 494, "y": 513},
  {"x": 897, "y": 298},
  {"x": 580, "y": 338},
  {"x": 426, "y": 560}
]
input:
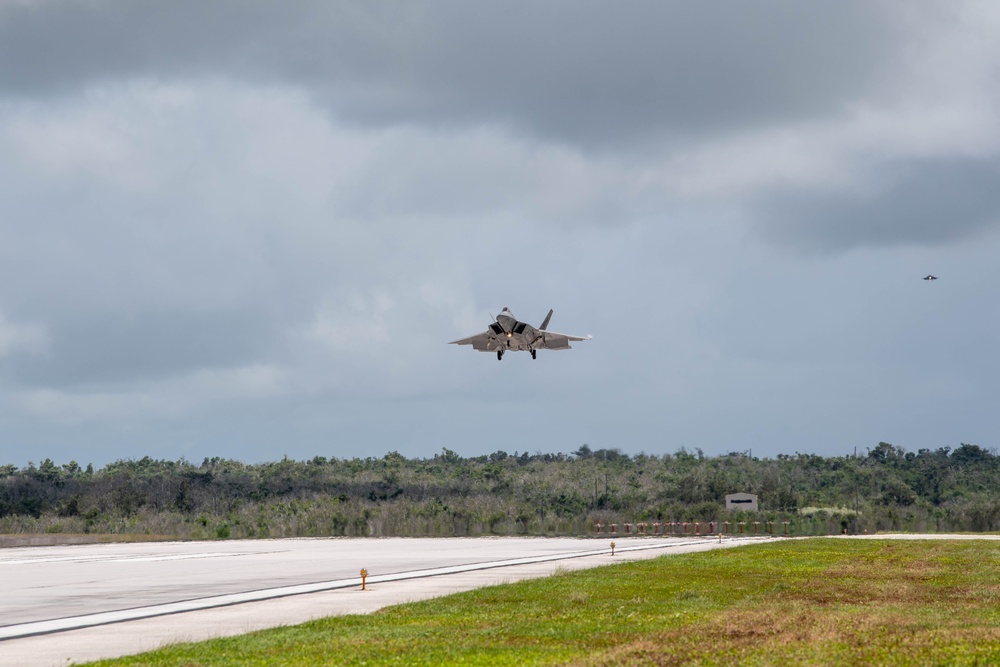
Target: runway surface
[{"x": 77, "y": 603}]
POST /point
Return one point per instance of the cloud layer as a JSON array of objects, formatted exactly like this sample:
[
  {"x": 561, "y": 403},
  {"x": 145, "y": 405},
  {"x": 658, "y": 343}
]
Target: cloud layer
[{"x": 249, "y": 229}]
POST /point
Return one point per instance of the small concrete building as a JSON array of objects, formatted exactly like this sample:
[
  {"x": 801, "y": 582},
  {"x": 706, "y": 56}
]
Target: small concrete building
[{"x": 741, "y": 501}]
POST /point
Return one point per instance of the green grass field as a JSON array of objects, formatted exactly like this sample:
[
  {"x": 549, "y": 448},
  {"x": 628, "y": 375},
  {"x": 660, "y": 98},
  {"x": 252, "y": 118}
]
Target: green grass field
[{"x": 796, "y": 602}]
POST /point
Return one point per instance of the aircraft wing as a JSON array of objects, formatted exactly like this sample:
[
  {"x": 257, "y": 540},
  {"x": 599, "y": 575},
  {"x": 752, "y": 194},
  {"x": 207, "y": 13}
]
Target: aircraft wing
[
  {"x": 483, "y": 342},
  {"x": 557, "y": 341}
]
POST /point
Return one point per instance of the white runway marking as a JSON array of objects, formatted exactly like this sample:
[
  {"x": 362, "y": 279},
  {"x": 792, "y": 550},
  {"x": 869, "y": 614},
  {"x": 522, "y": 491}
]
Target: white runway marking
[{"x": 112, "y": 559}]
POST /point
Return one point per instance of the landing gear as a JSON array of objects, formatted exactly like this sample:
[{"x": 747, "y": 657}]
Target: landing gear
[
  {"x": 533, "y": 353},
  {"x": 499, "y": 355}
]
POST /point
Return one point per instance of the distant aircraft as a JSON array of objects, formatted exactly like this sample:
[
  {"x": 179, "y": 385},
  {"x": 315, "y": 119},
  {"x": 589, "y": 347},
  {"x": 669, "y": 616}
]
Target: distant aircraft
[
  {"x": 930, "y": 277},
  {"x": 507, "y": 334}
]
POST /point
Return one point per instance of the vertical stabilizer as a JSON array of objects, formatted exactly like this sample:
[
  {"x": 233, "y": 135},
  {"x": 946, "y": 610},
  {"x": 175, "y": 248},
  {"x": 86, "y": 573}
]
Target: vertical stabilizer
[{"x": 545, "y": 324}]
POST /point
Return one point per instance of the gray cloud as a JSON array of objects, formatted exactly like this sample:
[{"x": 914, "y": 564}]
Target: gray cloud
[
  {"x": 923, "y": 202},
  {"x": 115, "y": 348},
  {"x": 588, "y": 74}
]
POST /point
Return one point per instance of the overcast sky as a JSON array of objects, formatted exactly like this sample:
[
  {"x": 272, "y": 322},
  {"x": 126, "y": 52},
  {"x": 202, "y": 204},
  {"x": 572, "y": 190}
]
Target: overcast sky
[{"x": 249, "y": 230}]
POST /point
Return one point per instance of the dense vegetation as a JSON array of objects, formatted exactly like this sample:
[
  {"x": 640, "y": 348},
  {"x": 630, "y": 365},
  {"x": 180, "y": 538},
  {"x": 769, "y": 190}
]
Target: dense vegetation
[{"x": 887, "y": 488}]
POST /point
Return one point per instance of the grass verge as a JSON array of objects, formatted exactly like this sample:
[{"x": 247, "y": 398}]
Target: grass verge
[{"x": 800, "y": 602}]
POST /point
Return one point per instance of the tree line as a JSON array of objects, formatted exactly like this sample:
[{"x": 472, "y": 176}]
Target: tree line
[{"x": 886, "y": 488}]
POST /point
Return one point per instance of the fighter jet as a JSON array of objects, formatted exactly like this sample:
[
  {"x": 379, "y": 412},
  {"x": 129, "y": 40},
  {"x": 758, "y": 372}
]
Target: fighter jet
[
  {"x": 507, "y": 334},
  {"x": 930, "y": 277}
]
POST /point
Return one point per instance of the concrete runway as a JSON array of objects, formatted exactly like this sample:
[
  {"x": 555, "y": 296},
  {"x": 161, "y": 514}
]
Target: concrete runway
[{"x": 78, "y": 603}]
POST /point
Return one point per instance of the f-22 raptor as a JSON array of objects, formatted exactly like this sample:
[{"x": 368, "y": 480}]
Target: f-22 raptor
[{"x": 507, "y": 334}]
